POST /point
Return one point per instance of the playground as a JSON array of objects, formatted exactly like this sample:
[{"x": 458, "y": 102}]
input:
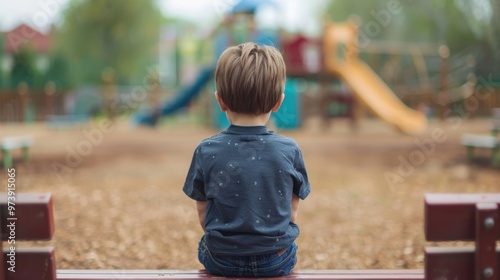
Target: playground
[
  {"x": 121, "y": 204},
  {"x": 381, "y": 122}
]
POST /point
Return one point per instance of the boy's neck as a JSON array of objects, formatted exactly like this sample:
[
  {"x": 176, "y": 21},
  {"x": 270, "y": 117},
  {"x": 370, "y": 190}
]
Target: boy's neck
[{"x": 247, "y": 120}]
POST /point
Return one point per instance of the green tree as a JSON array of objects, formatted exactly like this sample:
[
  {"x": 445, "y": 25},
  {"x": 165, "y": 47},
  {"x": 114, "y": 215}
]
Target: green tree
[
  {"x": 374, "y": 18},
  {"x": 23, "y": 68},
  {"x": 495, "y": 27},
  {"x": 437, "y": 21},
  {"x": 58, "y": 72},
  {"x": 495, "y": 36},
  {"x": 482, "y": 17},
  {"x": 108, "y": 33},
  {"x": 2, "y": 74},
  {"x": 2, "y": 83}
]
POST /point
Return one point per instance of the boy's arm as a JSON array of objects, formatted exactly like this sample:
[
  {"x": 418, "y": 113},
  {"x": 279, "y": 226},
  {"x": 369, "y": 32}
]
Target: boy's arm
[
  {"x": 295, "y": 207},
  {"x": 201, "y": 206}
]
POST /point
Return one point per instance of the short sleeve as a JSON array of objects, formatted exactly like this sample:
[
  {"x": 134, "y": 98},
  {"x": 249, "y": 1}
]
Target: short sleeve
[
  {"x": 194, "y": 185},
  {"x": 301, "y": 187}
]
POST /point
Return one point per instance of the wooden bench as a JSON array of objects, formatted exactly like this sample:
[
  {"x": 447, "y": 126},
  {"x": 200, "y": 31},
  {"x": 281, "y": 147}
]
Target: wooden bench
[
  {"x": 67, "y": 122},
  {"x": 30, "y": 218},
  {"x": 197, "y": 274},
  {"x": 463, "y": 217},
  {"x": 495, "y": 122},
  {"x": 10, "y": 143},
  {"x": 448, "y": 217},
  {"x": 472, "y": 141},
  {"x": 495, "y": 127}
]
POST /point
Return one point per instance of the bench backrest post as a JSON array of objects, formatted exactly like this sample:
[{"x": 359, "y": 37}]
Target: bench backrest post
[
  {"x": 487, "y": 229},
  {"x": 26, "y": 217},
  {"x": 2, "y": 262},
  {"x": 463, "y": 217}
]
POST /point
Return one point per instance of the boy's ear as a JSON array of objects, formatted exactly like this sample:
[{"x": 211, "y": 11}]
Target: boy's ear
[
  {"x": 222, "y": 105},
  {"x": 278, "y": 104}
]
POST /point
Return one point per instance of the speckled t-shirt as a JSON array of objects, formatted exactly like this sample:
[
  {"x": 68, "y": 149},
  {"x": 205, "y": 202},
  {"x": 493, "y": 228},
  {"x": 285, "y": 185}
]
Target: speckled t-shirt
[{"x": 248, "y": 175}]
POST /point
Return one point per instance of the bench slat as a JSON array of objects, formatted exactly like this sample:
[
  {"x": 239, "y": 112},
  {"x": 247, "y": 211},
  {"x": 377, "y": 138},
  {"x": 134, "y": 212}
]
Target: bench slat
[
  {"x": 196, "y": 274},
  {"x": 16, "y": 142},
  {"x": 482, "y": 141},
  {"x": 451, "y": 263},
  {"x": 34, "y": 217},
  {"x": 31, "y": 264},
  {"x": 67, "y": 121},
  {"x": 451, "y": 217}
]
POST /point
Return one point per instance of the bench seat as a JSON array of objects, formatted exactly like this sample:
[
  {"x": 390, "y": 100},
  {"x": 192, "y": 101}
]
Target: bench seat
[
  {"x": 481, "y": 141},
  {"x": 406, "y": 274},
  {"x": 62, "y": 122},
  {"x": 495, "y": 126},
  {"x": 472, "y": 141},
  {"x": 17, "y": 142}
]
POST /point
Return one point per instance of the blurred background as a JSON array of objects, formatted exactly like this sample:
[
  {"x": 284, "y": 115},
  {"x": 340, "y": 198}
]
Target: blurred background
[
  {"x": 102, "y": 103},
  {"x": 75, "y": 58}
]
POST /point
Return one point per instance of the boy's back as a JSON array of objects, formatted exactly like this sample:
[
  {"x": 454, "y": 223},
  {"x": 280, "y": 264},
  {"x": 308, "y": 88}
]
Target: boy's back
[
  {"x": 246, "y": 180},
  {"x": 246, "y": 174}
]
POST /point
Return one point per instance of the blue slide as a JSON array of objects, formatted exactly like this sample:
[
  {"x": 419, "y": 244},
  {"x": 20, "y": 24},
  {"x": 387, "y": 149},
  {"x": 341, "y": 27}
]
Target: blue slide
[{"x": 180, "y": 100}]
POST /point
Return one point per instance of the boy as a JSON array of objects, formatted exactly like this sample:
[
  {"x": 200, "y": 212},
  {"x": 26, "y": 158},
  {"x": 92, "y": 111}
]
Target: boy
[{"x": 247, "y": 180}]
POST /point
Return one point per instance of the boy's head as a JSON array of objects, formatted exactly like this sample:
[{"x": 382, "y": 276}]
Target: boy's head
[{"x": 250, "y": 78}]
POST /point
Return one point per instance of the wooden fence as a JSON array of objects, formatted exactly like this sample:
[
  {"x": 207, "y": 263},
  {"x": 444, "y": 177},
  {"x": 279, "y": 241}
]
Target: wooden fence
[
  {"x": 480, "y": 103},
  {"x": 37, "y": 105},
  {"x": 29, "y": 106}
]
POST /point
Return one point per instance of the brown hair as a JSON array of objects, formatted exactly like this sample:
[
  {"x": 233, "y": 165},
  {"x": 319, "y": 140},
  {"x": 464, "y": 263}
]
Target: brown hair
[{"x": 250, "y": 78}]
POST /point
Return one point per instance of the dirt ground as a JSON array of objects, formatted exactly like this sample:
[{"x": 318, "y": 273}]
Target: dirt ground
[{"x": 119, "y": 202}]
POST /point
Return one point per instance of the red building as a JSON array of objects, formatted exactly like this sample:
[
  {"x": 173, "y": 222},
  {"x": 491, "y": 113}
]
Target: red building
[{"x": 21, "y": 36}]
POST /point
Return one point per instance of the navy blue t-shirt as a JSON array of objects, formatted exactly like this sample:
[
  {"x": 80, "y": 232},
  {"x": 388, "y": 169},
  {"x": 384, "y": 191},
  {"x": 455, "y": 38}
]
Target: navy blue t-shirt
[{"x": 248, "y": 175}]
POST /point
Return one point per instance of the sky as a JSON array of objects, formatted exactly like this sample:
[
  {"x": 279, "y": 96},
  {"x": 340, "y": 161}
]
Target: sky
[
  {"x": 37, "y": 13},
  {"x": 294, "y": 15}
]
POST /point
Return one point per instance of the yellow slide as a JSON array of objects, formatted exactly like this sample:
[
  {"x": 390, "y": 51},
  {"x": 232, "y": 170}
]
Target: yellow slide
[
  {"x": 367, "y": 87},
  {"x": 372, "y": 92}
]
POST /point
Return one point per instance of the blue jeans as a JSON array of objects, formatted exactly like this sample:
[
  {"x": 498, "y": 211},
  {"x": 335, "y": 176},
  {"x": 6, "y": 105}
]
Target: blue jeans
[{"x": 268, "y": 265}]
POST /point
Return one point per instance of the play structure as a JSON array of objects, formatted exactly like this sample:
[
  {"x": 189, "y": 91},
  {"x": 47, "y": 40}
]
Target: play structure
[
  {"x": 425, "y": 88},
  {"x": 180, "y": 100},
  {"x": 338, "y": 39},
  {"x": 485, "y": 141},
  {"x": 235, "y": 28},
  {"x": 398, "y": 82},
  {"x": 341, "y": 58}
]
